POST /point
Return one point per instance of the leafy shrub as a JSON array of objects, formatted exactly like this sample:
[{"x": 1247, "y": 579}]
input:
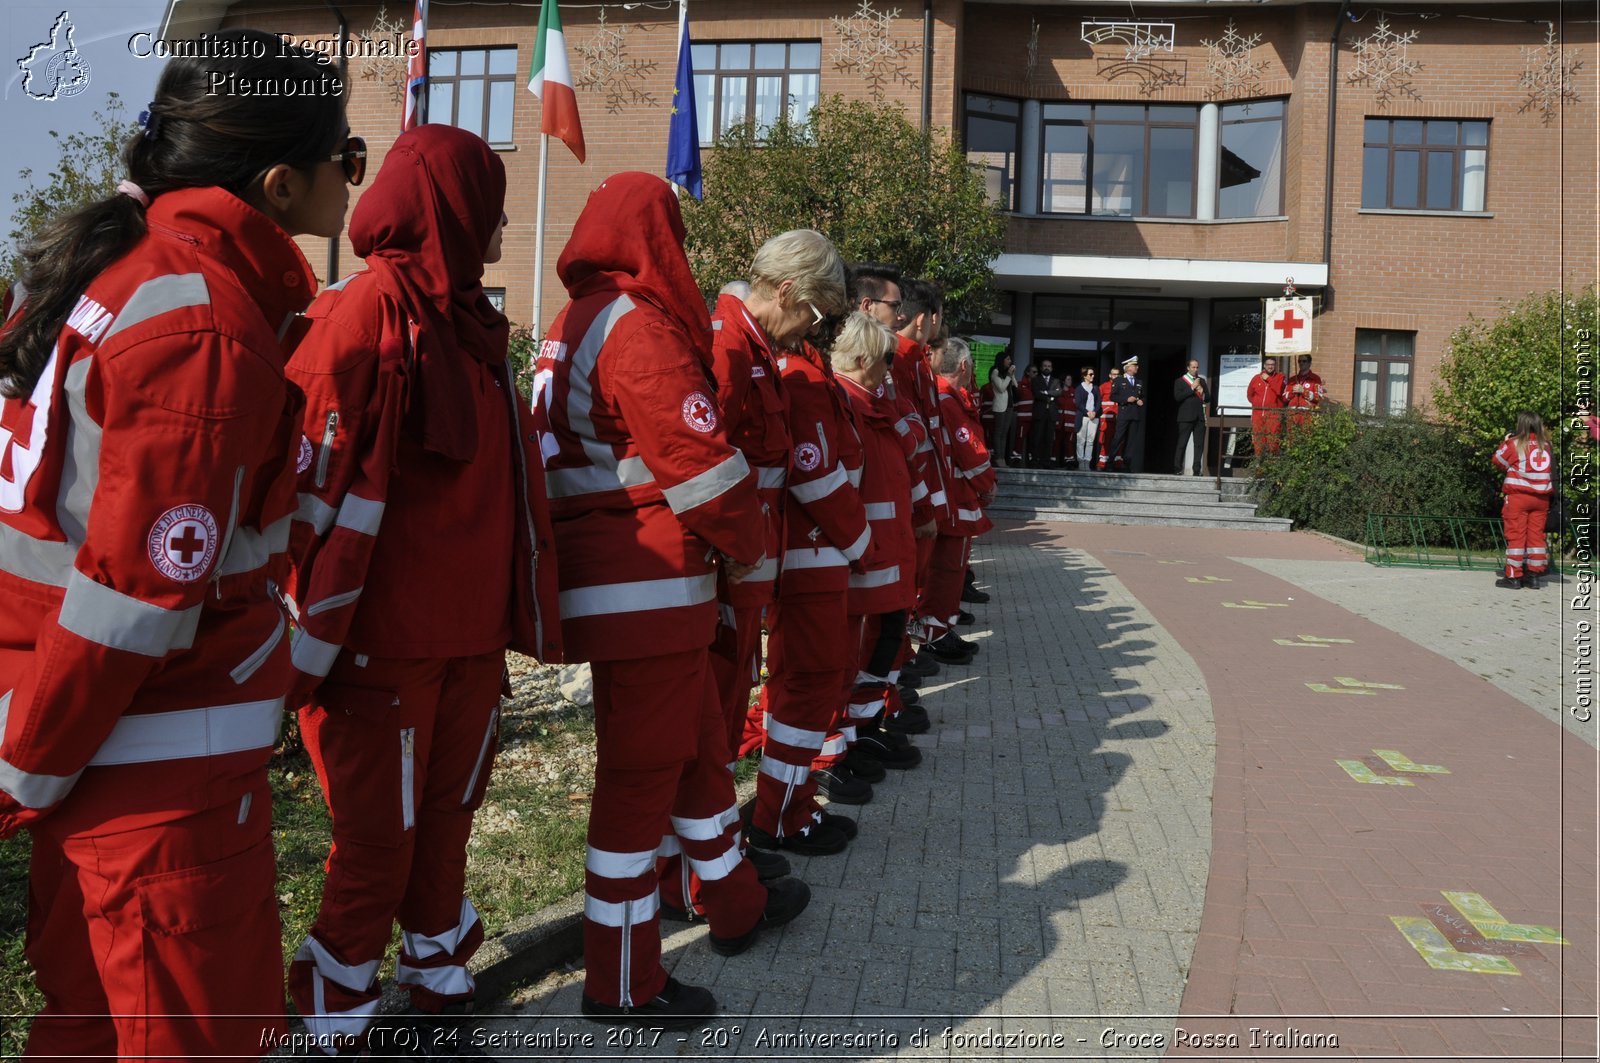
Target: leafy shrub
[
  {"x": 1338, "y": 467},
  {"x": 522, "y": 354}
]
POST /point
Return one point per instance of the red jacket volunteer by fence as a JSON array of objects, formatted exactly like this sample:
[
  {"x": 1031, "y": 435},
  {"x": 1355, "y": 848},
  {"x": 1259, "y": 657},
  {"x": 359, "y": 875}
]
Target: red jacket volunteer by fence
[
  {"x": 1267, "y": 394},
  {"x": 646, "y": 491},
  {"x": 1526, "y": 460},
  {"x": 420, "y": 454}
]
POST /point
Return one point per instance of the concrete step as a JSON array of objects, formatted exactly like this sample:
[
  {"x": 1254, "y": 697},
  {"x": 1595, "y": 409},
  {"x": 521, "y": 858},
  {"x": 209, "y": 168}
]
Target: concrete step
[
  {"x": 1158, "y": 517},
  {"x": 1128, "y": 498},
  {"x": 1113, "y": 493},
  {"x": 1182, "y": 507},
  {"x": 1065, "y": 479}
]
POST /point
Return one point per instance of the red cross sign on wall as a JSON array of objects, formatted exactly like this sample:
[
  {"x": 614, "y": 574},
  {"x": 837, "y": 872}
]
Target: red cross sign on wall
[{"x": 1288, "y": 326}]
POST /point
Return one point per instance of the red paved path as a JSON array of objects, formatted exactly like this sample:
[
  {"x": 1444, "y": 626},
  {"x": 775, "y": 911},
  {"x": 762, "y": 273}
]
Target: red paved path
[{"x": 1308, "y": 865}]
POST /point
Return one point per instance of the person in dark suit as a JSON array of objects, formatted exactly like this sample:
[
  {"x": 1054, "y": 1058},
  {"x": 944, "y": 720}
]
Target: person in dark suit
[
  {"x": 1128, "y": 394},
  {"x": 1046, "y": 397},
  {"x": 1191, "y": 392}
]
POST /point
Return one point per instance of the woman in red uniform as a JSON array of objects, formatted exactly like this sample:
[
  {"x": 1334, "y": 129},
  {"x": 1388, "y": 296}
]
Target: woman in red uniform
[
  {"x": 146, "y": 485},
  {"x": 421, "y": 555},
  {"x": 1526, "y": 460}
]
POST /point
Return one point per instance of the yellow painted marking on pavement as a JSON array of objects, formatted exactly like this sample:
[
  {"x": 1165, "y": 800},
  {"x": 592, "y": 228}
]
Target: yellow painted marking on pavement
[
  {"x": 1436, "y": 949},
  {"x": 1400, "y": 762},
  {"x": 1317, "y": 638},
  {"x": 1266, "y": 605},
  {"x": 1492, "y": 925},
  {"x": 1206, "y": 579},
  {"x": 1236, "y": 605},
  {"x": 1302, "y": 645},
  {"x": 1174, "y": 562},
  {"x": 1323, "y": 688},
  {"x": 1361, "y": 773},
  {"x": 1346, "y": 681}
]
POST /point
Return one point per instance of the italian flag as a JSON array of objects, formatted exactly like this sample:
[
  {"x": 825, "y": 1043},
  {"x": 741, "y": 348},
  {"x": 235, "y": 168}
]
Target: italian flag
[{"x": 552, "y": 81}]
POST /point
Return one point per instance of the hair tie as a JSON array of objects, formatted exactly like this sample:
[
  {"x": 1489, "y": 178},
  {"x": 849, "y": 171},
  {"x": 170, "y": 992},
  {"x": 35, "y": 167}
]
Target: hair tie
[
  {"x": 150, "y": 122},
  {"x": 132, "y": 191}
]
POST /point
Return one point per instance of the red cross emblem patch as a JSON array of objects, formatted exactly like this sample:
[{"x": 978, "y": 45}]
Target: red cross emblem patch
[
  {"x": 183, "y": 543},
  {"x": 963, "y": 435},
  {"x": 698, "y": 413}
]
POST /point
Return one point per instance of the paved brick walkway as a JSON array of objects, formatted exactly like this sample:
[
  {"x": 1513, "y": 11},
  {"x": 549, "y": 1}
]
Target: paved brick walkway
[{"x": 1042, "y": 875}]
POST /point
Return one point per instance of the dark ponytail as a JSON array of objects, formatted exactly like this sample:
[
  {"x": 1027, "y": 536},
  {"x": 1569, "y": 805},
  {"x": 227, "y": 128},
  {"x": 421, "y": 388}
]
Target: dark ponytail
[{"x": 196, "y": 135}]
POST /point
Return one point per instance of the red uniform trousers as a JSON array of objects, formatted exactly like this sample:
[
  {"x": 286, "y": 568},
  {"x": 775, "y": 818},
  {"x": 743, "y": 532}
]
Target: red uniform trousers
[
  {"x": 147, "y": 942},
  {"x": 924, "y": 572},
  {"x": 811, "y": 650},
  {"x": 661, "y": 786},
  {"x": 871, "y": 689},
  {"x": 1108, "y": 432},
  {"x": 1524, "y": 516},
  {"x": 403, "y": 748},
  {"x": 947, "y": 576}
]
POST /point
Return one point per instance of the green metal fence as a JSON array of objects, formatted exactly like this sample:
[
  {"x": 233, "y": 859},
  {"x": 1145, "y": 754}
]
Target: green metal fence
[{"x": 1416, "y": 540}]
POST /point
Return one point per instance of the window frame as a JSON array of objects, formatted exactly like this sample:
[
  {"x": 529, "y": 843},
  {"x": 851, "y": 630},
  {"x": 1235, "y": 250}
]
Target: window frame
[
  {"x": 752, "y": 74},
  {"x": 1425, "y": 150},
  {"x": 1384, "y": 360},
  {"x": 1013, "y": 179},
  {"x": 1143, "y": 190},
  {"x": 1282, "y": 119},
  {"x": 454, "y": 80}
]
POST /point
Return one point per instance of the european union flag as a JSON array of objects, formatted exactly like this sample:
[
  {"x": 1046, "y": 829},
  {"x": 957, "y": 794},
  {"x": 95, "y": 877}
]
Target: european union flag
[{"x": 683, "y": 138}]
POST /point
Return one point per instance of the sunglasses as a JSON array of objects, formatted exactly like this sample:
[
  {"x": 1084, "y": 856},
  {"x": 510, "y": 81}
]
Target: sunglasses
[
  {"x": 892, "y": 304},
  {"x": 354, "y": 160}
]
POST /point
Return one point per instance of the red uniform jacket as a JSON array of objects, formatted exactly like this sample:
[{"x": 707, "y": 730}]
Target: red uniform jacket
[
  {"x": 754, "y": 412},
  {"x": 889, "y": 582},
  {"x": 1024, "y": 401},
  {"x": 391, "y": 541},
  {"x": 914, "y": 383},
  {"x": 146, "y": 489},
  {"x": 825, "y": 526},
  {"x": 1267, "y": 395},
  {"x": 971, "y": 472},
  {"x": 1527, "y": 473},
  {"x": 1311, "y": 392},
  {"x": 644, "y": 487}
]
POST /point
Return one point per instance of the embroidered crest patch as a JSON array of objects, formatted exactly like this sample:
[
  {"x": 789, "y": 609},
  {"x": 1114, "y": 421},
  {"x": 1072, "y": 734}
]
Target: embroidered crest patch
[
  {"x": 303, "y": 462},
  {"x": 807, "y": 456},
  {"x": 963, "y": 435},
  {"x": 698, "y": 413},
  {"x": 183, "y": 543}
]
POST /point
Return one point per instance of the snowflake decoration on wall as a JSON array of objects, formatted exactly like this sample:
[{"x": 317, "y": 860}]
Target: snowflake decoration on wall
[
  {"x": 607, "y": 69},
  {"x": 389, "y": 71},
  {"x": 1030, "y": 67},
  {"x": 1548, "y": 77},
  {"x": 867, "y": 49},
  {"x": 1228, "y": 64},
  {"x": 1382, "y": 62}
]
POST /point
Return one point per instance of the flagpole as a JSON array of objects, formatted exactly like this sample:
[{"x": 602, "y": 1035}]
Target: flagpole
[{"x": 538, "y": 243}]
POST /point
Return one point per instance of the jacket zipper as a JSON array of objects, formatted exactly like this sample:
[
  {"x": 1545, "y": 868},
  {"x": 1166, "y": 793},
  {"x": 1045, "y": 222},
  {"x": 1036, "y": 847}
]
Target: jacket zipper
[
  {"x": 527, "y": 509},
  {"x": 249, "y": 666},
  {"x": 408, "y": 742},
  {"x": 326, "y": 454},
  {"x": 822, "y": 437},
  {"x": 483, "y": 754}
]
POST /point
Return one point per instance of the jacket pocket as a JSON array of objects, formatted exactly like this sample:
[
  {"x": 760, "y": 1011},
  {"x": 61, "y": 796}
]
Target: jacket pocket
[
  {"x": 367, "y": 762},
  {"x": 478, "y": 781},
  {"x": 251, "y": 664}
]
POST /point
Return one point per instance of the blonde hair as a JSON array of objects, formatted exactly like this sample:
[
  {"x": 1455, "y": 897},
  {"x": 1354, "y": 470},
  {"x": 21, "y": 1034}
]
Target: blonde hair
[
  {"x": 862, "y": 343},
  {"x": 805, "y": 257}
]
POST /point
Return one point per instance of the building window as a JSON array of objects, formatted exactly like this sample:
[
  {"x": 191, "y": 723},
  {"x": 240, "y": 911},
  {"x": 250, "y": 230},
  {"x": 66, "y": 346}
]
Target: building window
[
  {"x": 473, "y": 89},
  {"x": 1250, "y": 164},
  {"x": 496, "y": 297},
  {"x": 1417, "y": 164},
  {"x": 755, "y": 81},
  {"x": 1124, "y": 160},
  {"x": 1383, "y": 371},
  {"x": 993, "y": 139}
]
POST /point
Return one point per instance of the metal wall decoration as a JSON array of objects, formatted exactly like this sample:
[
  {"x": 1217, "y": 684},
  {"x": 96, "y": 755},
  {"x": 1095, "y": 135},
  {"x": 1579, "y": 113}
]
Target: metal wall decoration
[
  {"x": 605, "y": 68},
  {"x": 1138, "y": 42},
  {"x": 1032, "y": 65},
  {"x": 1549, "y": 78},
  {"x": 1382, "y": 63},
  {"x": 868, "y": 49},
  {"x": 1229, "y": 66},
  {"x": 388, "y": 70}
]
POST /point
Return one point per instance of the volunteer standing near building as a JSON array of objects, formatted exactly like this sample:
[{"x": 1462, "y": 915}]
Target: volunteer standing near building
[
  {"x": 422, "y": 550},
  {"x": 1526, "y": 460},
  {"x": 647, "y": 495},
  {"x": 145, "y": 497}
]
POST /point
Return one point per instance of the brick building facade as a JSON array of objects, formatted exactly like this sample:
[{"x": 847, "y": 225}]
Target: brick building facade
[{"x": 1163, "y": 170}]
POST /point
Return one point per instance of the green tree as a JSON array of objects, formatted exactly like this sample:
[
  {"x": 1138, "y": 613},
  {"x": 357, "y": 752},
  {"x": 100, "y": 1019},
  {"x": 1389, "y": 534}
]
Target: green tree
[
  {"x": 1538, "y": 355},
  {"x": 88, "y": 167},
  {"x": 864, "y": 176}
]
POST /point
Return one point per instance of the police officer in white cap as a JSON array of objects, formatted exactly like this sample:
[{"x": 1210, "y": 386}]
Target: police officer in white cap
[{"x": 1128, "y": 394}]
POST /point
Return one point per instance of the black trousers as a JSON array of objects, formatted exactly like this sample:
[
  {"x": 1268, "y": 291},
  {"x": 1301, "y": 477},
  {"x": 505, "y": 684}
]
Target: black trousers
[
  {"x": 1186, "y": 430},
  {"x": 1042, "y": 436},
  {"x": 1129, "y": 443}
]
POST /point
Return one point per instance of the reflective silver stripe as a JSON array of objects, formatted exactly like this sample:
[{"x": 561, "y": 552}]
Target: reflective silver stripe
[
  {"x": 854, "y": 476},
  {"x": 938, "y": 497},
  {"x": 36, "y": 560},
  {"x": 252, "y": 664},
  {"x": 708, "y": 486},
  {"x": 718, "y": 867},
  {"x": 334, "y": 601},
  {"x": 903, "y": 425},
  {"x": 189, "y": 733},
  {"x": 794, "y": 736},
  {"x": 591, "y": 480},
  {"x": 979, "y": 471},
  {"x": 80, "y": 471},
  {"x": 110, "y": 618},
  {"x": 159, "y": 296},
  {"x": 765, "y": 572},
  {"x": 767, "y": 476},
  {"x": 669, "y": 846},
  {"x": 969, "y": 514},
  {"x": 29, "y": 789},
  {"x": 882, "y": 577},
  {"x": 705, "y": 829},
  {"x": 639, "y": 596},
  {"x": 323, "y": 1028},
  {"x": 864, "y": 710},
  {"x": 834, "y": 746},
  {"x": 580, "y": 395},
  {"x": 621, "y": 913},
  {"x": 251, "y": 549},
  {"x": 820, "y": 557},
  {"x": 790, "y": 774},
  {"x": 355, "y": 977},
  {"x": 880, "y": 511},
  {"x": 813, "y": 490},
  {"x": 315, "y": 512},
  {"x": 310, "y": 654},
  {"x": 360, "y": 514},
  {"x": 716, "y": 326},
  {"x": 926, "y": 446},
  {"x": 338, "y": 285},
  {"x": 854, "y": 551},
  {"x": 608, "y": 864},
  {"x": 919, "y": 492},
  {"x": 451, "y": 980},
  {"x": 423, "y": 946}
]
